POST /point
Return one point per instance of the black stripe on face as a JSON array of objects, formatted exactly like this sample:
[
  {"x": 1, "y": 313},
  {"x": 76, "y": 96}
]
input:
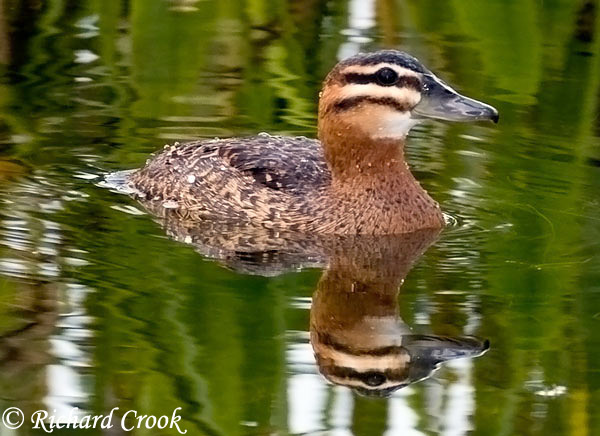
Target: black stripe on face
[
  {"x": 386, "y": 57},
  {"x": 370, "y": 378},
  {"x": 411, "y": 82},
  {"x": 351, "y": 102}
]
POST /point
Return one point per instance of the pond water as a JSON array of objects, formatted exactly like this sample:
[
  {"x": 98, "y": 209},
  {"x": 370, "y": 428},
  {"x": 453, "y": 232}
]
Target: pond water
[{"x": 100, "y": 308}]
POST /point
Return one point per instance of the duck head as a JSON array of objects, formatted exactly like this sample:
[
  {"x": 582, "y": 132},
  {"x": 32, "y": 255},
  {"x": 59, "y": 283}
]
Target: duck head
[
  {"x": 385, "y": 93},
  {"x": 378, "y": 97}
]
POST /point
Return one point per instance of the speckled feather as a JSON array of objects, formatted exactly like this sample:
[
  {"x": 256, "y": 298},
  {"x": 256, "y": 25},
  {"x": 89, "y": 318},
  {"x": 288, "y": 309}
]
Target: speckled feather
[
  {"x": 237, "y": 179},
  {"x": 281, "y": 183}
]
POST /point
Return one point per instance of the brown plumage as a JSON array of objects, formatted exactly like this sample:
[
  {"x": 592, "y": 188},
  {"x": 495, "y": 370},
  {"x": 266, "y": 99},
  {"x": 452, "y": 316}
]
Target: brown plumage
[{"x": 353, "y": 181}]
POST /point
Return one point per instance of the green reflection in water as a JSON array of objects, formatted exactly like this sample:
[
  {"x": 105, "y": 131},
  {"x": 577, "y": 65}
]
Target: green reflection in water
[{"x": 95, "y": 298}]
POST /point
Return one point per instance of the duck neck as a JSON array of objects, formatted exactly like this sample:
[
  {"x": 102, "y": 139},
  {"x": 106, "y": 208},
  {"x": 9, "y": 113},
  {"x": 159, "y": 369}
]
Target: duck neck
[
  {"x": 359, "y": 161},
  {"x": 372, "y": 186}
]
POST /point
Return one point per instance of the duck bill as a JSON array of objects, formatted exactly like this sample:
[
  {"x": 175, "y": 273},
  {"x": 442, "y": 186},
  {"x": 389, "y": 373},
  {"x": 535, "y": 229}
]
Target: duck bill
[{"x": 441, "y": 102}]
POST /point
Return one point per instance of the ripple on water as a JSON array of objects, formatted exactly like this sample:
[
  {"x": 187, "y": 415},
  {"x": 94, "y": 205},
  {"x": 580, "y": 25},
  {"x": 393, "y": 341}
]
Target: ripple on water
[
  {"x": 451, "y": 221},
  {"x": 35, "y": 255},
  {"x": 118, "y": 182}
]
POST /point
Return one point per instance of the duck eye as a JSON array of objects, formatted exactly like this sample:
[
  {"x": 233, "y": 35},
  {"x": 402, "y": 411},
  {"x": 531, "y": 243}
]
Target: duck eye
[
  {"x": 374, "y": 379},
  {"x": 387, "y": 77}
]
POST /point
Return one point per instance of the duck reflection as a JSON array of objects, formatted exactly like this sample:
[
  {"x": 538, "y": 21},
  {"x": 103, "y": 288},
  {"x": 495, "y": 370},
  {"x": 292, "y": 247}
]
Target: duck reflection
[{"x": 358, "y": 337}]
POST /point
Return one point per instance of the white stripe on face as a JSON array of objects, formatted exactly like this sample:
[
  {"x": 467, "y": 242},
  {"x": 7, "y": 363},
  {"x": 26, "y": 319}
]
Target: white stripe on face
[
  {"x": 362, "y": 363},
  {"x": 372, "y": 69},
  {"x": 407, "y": 96}
]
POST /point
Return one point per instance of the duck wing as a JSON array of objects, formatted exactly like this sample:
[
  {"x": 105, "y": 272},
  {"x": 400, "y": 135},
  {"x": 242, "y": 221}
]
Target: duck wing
[
  {"x": 287, "y": 164},
  {"x": 237, "y": 179},
  {"x": 278, "y": 162}
]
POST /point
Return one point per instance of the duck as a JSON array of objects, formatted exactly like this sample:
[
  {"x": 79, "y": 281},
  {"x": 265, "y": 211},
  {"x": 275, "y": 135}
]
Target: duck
[
  {"x": 358, "y": 337},
  {"x": 352, "y": 180}
]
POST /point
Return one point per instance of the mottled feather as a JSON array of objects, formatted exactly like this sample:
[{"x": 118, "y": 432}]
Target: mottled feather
[{"x": 291, "y": 164}]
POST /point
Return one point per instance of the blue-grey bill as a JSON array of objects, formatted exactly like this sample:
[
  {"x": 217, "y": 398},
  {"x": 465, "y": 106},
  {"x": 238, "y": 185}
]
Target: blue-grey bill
[{"x": 442, "y": 102}]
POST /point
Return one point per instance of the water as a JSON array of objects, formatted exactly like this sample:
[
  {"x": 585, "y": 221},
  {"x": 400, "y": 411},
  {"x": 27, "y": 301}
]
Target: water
[{"x": 101, "y": 309}]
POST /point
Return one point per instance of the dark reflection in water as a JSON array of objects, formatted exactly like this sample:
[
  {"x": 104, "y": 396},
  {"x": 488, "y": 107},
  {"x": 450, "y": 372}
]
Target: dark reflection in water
[
  {"x": 358, "y": 337},
  {"x": 356, "y": 333},
  {"x": 25, "y": 348}
]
